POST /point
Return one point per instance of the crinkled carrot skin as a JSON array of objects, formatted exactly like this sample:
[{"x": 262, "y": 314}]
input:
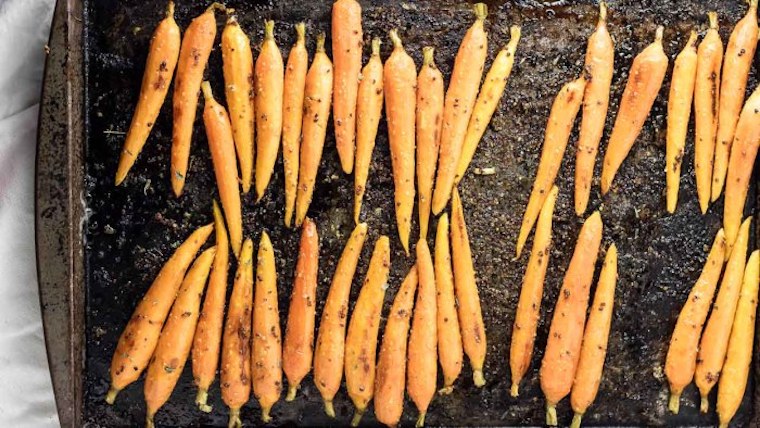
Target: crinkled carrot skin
[
  {"x": 297, "y": 351},
  {"x": 529, "y": 305},
  {"x": 391, "y": 364},
  {"x": 329, "y": 352},
  {"x": 733, "y": 381},
  {"x": 159, "y": 69},
  {"x": 679, "y": 111},
  {"x": 176, "y": 339},
  {"x": 450, "y": 353},
  {"x": 681, "y": 360},
  {"x": 361, "y": 340},
  {"x": 292, "y": 117},
  {"x": 138, "y": 340},
  {"x": 558, "y": 127},
  {"x": 714, "y": 342}
]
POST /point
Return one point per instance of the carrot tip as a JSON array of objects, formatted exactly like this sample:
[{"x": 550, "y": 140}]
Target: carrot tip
[
  {"x": 514, "y": 35},
  {"x": 713, "y": 19},
  {"x": 752, "y": 5},
  {"x": 376, "y": 46},
  {"x": 170, "y": 9},
  {"x": 235, "y": 421},
  {"x": 420, "y": 420},
  {"x": 111, "y": 395},
  {"x": 265, "y": 416},
  {"x": 674, "y": 403},
  {"x": 301, "y": 32},
  {"x": 659, "y": 33},
  {"x": 723, "y": 425},
  {"x": 514, "y": 390},
  {"x": 357, "y": 417},
  {"x": 481, "y": 11},
  {"x": 321, "y": 42},
  {"x": 208, "y": 95},
  {"x": 216, "y": 6},
  {"x": 551, "y": 415},
  {"x": 576, "y": 423},
  {"x": 149, "y": 421},
  {"x": 292, "y": 390},
  {"x": 201, "y": 400},
  {"x": 704, "y": 404},
  {"x": 329, "y": 410},
  {"x": 268, "y": 30},
  {"x": 478, "y": 378},
  {"x": 602, "y": 12},
  {"x": 428, "y": 53},
  {"x": 446, "y": 390},
  {"x": 393, "y": 34}
]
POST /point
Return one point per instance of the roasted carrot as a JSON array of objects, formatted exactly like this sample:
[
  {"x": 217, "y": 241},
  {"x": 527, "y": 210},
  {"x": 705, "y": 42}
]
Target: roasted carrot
[
  {"x": 391, "y": 364},
  {"x": 450, "y": 351},
  {"x": 594, "y": 348},
  {"x": 208, "y": 334},
  {"x": 428, "y": 124},
  {"x": 316, "y": 110},
  {"x": 422, "y": 364},
  {"x": 159, "y": 68},
  {"x": 733, "y": 381},
  {"x": 400, "y": 82},
  {"x": 599, "y": 66},
  {"x": 679, "y": 110},
  {"x": 173, "y": 346},
  {"x": 292, "y": 117},
  {"x": 644, "y": 82},
  {"x": 138, "y": 340},
  {"x": 368, "y": 111},
  {"x": 329, "y": 352},
  {"x": 237, "y": 60},
  {"x": 737, "y": 62},
  {"x": 268, "y": 82},
  {"x": 487, "y": 101},
  {"x": 193, "y": 56},
  {"x": 684, "y": 344},
  {"x": 361, "y": 341},
  {"x": 459, "y": 103},
  {"x": 529, "y": 305},
  {"x": 235, "y": 373},
  {"x": 564, "y": 110},
  {"x": 566, "y": 332},
  {"x": 714, "y": 342},
  {"x": 298, "y": 347},
  {"x": 347, "y": 50}
]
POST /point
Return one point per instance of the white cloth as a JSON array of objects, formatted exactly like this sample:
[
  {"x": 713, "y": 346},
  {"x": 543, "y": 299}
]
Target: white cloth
[{"x": 26, "y": 393}]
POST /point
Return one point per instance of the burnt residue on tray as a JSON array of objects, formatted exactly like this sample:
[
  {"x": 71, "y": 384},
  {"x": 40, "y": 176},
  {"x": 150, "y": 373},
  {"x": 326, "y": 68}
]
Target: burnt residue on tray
[{"x": 131, "y": 230}]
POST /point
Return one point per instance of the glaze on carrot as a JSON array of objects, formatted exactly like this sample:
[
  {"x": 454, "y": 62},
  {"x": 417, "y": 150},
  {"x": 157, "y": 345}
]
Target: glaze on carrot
[
  {"x": 450, "y": 352},
  {"x": 292, "y": 117}
]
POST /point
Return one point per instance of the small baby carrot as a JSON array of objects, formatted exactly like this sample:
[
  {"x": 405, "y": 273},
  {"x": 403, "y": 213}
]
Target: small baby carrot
[
  {"x": 292, "y": 117},
  {"x": 450, "y": 352}
]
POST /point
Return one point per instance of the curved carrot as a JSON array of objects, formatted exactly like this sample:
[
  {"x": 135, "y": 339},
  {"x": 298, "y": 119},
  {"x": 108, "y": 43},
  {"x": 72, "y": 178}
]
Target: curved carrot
[
  {"x": 292, "y": 117},
  {"x": 347, "y": 51},
  {"x": 400, "y": 81},
  {"x": 391, "y": 364},
  {"x": 450, "y": 351},
  {"x": 563, "y": 347},
  {"x": 329, "y": 352},
  {"x": 159, "y": 68},
  {"x": 459, "y": 104},
  {"x": 529, "y": 305},
  {"x": 316, "y": 110},
  {"x": 138, "y": 340},
  {"x": 599, "y": 66},
  {"x": 298, "y": 346},
  {"x": 361, "y": 341},
  {"x": 173, "y": 347},
  {"x": 564, "y": 110},
  {"x": 679, "y": 110},
  {"x": 644, "y": 82},
  {"x": 684, "y": 344}
]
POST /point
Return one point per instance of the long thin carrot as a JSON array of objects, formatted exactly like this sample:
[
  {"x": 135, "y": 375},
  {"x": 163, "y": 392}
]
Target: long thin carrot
[
  {"x": 733, "y": 381},
  {"x": 644, "y": 82},
  {"x": 292, "y": 117},
  {"x": 329, "y": 352},
  {"x": 737, "y": 62},
  {"x": 594, "y": 348},
  {"x": 679, "y": 110},
  {"x": 600, "y": 64},
  {"x": 316, "y": 110},
  {"x": 428, "y": 123},
  {"x": 564, "y": 110},
  {"x": 235, "y": 373},
  {"x": 361, "y": 341},
  {"x": 391, "y": 364},
  {"x": 237, "y": 60},
  {"x": 208, "y": 334},
  {"x": 459, "y": 103},
  {"x": 422, "y": 364},
  {"x": 450, "y": 352},
  {"x": 487, "y": 101},
  {"x": 684, "y": 344},
  {"x": 138, "y": 340},
  {"x": 714, "y": 342},
  {"x": 298, "y": 346},
  {"x": 173, "y": 346},
  {"x": 368, "y": 111},
  {"x": 529, "y": 305},
  {"x": 400, "y": 82},
  {"x": 566, "y": 332},
  {"x": 159, "y": 68},
  {"x": 193, "y": 56},
  {"x": 347, "y": 50}
]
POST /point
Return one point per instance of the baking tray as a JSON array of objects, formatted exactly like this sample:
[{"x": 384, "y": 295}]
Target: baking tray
[{"x": 99, "y": 246}]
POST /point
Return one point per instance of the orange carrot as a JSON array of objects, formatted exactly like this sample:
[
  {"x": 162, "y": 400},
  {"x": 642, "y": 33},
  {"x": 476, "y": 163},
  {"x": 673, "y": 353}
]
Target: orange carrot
[
  {"x": 450, "y": 351},
  {"x": 159, "y": 68},
  {"x": 292, "y": 117}
]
